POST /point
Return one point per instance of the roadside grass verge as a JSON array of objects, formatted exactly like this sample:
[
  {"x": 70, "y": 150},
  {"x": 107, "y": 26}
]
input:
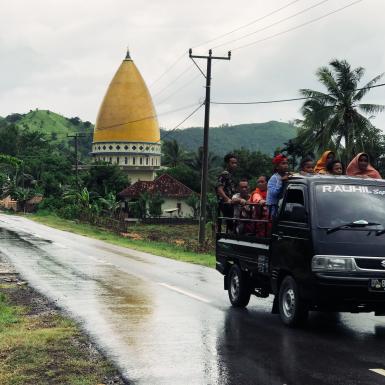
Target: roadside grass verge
[
  {"x": 40, "y": 346},
  {"x": 146, "y": 233}
]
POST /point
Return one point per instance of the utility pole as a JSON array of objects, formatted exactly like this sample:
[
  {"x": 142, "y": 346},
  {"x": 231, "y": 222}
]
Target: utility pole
[
  {"x": 76, "y": 136},
  {"x": 203, "y": 214}
]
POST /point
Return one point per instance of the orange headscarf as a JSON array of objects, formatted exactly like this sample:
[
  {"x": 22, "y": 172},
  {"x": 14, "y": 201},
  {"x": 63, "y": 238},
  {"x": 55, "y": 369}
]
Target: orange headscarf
[
  {"x": 320, "y": 167},
  {"x": 354, "y": 170}
]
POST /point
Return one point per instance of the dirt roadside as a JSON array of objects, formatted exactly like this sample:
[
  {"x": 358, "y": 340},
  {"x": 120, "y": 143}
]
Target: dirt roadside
[{"x": 40, "y": 344}]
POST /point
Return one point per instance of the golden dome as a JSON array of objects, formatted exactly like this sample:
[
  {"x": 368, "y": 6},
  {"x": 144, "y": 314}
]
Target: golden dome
[{"x": 127, "y": 112}]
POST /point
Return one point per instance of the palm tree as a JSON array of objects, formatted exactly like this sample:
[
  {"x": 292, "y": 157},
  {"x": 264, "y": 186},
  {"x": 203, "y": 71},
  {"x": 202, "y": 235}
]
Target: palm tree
[
  {"x": 173, "y": 153},
  {"x": 336, "y": 119}
]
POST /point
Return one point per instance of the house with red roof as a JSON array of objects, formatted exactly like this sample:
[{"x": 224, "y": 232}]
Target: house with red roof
[{"x": 173, "y": 192}]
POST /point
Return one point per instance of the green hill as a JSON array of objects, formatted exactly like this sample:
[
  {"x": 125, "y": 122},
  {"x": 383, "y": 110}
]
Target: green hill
[
  {"x": 55, "y": 127},
  {"x": 265, "y": 137}
]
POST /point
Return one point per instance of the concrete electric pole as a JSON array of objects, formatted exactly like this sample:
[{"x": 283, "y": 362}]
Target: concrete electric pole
[{"x": 202, "y": 215}]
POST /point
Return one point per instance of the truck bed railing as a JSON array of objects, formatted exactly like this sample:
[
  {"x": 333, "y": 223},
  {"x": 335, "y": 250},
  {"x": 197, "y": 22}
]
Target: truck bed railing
[{"x": 249, "y": 226}]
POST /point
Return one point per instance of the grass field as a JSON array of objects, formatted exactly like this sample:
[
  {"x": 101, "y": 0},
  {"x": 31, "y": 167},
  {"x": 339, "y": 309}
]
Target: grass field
[
  {"x": 164, "y": 240},
  {"x": 40, "y": 346}
]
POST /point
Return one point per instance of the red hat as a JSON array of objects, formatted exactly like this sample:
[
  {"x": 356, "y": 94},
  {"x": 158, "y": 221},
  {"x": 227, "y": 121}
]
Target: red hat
[{"x": 278, "y": 159}]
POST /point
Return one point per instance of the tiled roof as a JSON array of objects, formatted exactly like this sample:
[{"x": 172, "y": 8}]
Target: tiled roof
[{"x": 165, "y": 185}]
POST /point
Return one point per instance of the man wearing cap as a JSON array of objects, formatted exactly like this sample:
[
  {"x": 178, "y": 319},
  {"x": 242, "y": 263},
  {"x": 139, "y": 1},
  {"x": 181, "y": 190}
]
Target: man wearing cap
[{"x": 275, "y": 185}]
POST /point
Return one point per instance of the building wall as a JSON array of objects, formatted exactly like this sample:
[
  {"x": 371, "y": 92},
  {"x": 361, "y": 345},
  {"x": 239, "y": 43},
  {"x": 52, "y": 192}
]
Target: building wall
[
  {"x": 139, "y": 159},
  {"x": 172, "y": 203}
]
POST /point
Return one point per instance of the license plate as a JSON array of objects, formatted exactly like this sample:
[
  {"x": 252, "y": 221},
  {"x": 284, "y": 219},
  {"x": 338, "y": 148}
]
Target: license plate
[{"x": 377, "y": 284}]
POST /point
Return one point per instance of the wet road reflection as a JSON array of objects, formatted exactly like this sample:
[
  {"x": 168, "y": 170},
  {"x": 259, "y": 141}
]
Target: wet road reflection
[{"x": 158, "y": 335}]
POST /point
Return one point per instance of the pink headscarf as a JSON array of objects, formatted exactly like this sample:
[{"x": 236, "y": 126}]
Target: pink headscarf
[{"x": 354, "y": 170}]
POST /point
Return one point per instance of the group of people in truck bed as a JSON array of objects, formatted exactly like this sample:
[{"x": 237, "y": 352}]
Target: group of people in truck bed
[{"x": 236, "y": 201}]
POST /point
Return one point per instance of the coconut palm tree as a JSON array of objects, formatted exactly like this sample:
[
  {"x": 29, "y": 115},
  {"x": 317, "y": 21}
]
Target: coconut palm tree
[
  {"x": 338, "y": 118},
  {"x": 173, "y": 153}
]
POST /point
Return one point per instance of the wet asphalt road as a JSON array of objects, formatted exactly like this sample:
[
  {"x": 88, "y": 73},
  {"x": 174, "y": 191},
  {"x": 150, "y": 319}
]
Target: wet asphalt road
[{"x": 167, "y": 322}]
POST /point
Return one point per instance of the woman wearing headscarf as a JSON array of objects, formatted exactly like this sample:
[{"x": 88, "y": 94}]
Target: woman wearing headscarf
[
  {"x": 361, "y": 167},
  {"x": 320, "y": 167}
]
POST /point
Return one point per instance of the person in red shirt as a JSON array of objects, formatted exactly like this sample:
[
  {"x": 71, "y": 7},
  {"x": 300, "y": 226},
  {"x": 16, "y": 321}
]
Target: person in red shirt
[
  {"x": 260, "y": 211},
  {"x": 261, "y": 191}
]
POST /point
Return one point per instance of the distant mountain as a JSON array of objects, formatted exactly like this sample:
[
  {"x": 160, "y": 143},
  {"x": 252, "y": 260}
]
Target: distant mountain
[{"x": 265, "y": 137}]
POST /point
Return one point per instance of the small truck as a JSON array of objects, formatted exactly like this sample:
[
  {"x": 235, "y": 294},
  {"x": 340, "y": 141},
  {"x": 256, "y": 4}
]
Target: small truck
[{"x": 324, "y": 251}]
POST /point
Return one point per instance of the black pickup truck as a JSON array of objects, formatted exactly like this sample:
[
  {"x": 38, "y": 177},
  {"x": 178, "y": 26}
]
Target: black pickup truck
[{"x": 325, "y": 251}]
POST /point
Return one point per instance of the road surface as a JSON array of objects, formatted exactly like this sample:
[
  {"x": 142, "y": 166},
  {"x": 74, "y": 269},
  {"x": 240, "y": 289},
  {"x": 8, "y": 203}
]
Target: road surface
[{"x": 168, "y": 322}]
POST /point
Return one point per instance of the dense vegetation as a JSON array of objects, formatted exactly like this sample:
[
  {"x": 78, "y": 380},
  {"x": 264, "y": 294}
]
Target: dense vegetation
[
  {"x": 263, "y": 137},
  {"x": 37, "y": 156}
]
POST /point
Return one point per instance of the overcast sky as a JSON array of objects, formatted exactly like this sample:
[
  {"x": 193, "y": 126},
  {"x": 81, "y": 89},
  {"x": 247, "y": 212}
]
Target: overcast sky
[{"x": 61, "y": 54}]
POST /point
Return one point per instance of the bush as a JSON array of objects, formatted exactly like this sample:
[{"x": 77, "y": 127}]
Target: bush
[{"x": 69, "y": 212}]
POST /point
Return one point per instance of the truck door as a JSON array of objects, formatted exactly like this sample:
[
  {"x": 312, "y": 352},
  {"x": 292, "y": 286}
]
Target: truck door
[{"x": 291, "y": 239}]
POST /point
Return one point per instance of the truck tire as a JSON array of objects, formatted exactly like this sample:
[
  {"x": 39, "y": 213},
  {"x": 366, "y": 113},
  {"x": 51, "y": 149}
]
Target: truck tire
[
  {"x": 238, "y": 289},
  {"x": 292, "y": 310}
]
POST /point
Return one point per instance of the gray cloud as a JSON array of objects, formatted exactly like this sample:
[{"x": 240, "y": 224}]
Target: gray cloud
[{"x": 60, "y": 55}]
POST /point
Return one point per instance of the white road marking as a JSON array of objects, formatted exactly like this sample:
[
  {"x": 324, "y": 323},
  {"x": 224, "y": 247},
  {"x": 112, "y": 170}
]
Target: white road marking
[
  {"x": 189, "y": 294},
  {"x": 381, "y": 372}
]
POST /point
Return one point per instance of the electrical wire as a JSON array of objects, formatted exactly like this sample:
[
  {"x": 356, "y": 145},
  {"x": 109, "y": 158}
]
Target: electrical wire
[
  {"x": 147, "y": 117},
  {"x": 179, "y": 124},
  {"x": 248, "y": 24},
  {"x": 273, "y": 24},
  {"x": 179, "y": 89},
  {"x": 187, "y": 70},
  {"x": 298, "y": 26},
  {"x": 292, "y": 99},
  {"x": 168, "y": 69}
]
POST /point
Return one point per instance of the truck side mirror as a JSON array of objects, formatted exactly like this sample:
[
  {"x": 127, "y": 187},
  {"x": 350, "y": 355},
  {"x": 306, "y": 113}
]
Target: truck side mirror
[{"x": 298, "y": 213}]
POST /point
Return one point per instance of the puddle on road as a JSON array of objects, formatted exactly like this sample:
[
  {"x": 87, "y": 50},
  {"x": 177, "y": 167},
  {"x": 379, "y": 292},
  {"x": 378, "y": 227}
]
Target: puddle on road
[{"x": 158, "y": 336}]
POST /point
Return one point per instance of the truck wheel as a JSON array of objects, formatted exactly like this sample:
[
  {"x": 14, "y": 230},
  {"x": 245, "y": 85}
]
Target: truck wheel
[
  {"x": 239, "y": 292},
  {"x": 292, "y": 310}
]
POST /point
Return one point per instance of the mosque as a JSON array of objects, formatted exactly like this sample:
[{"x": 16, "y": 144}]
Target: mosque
[
  {"x": 127, "y": 134},
  {"x": 126, "y": 131}
]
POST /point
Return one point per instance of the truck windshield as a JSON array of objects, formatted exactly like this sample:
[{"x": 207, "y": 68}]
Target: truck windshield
[{"x": 339, "y": 204}]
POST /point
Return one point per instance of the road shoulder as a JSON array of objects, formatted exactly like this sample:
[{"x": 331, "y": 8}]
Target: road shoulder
[{"x": 39, "y": 344}]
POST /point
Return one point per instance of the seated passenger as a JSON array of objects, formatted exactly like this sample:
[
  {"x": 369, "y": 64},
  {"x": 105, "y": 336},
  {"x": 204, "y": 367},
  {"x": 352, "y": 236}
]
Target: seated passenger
[
  {"x": 335, "y": 167},
  {"x": 260, "y": 191},
  {"x": 361, "y": 167},
  {"x": 241, "y": 209},
  {"x": 306, "y": 166},
  {"x": 275, "y": 185},
  {"x": 260, "y": 212},
  {"x": 326, "y": 157}
]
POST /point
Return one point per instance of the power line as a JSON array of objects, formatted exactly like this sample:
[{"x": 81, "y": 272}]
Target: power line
[
  {"x": 179, "y": 124},
  {"x": 168, "y": 69},
  {"x": 147, "y": 117},
  {"x": 179, "y": 89},
  {"x": 159, "y": 92},
  {"x": 298, "y": 26},
  {"x": 293, "y": 99},
  {"x": 247, "y": 25},
  {"x": 273, "y": 24}
]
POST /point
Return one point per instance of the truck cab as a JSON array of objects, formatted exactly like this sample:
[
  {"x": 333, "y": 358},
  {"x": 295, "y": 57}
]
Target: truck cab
[{"x": 325, "y": 250}]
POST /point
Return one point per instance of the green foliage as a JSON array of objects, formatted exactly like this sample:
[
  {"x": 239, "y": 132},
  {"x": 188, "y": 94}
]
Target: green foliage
[
  {"x": 109, "y": 203},
  {"x": 140, "y": 207},
  {"x": 264, "y": 137},
  {"x": 336, "y": 119},
  {"x": 155, "y": 205},
  {"x": 185, "y": 174},
  {"x": 252, "y": 164},
  {"x": 106, "y": 178},
  {"x": 193, "y": 201},
  {"x": 173, "y": 155}
]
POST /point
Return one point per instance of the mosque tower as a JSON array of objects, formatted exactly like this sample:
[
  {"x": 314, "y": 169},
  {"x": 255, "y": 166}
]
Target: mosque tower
[{"x": 126, "y": 131}]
